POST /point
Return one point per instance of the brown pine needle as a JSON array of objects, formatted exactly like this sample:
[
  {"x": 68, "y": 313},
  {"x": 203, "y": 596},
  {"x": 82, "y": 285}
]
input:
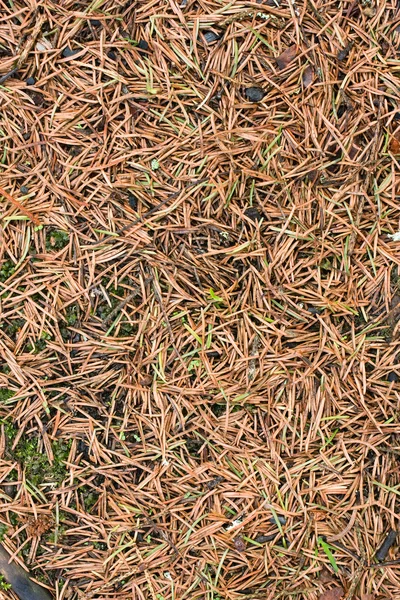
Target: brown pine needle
[
  {"x": 200, "y": 346},
  {"x": 21, "y": 207}
]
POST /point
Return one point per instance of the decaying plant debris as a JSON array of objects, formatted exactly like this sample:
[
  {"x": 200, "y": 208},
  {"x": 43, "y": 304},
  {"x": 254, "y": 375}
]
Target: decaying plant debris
[{"x": 200, "y": 297}]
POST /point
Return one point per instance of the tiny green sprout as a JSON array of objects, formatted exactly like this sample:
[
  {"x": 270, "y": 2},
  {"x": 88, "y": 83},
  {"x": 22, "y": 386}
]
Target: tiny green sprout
[
  {"x": 155, "y": 164},
  {"x": 328, "y": 551},
  {"x": 193, "y": 364},
  {"x": 214, "y": 297},
  {"x": 3, "y": 583}
]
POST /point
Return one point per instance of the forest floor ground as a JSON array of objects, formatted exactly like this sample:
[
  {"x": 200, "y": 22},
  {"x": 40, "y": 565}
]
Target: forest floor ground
[{"x": 200, "y": 298}]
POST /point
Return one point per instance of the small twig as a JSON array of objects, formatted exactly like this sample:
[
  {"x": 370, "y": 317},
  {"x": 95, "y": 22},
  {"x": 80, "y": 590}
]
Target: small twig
[
  {"x": 8, "y": 75},
  {"x": 346, "y": 530},
  {"x": 347, "y": 550},
  {"x": 388, "y": 563},
  {"x": 316, "y": 13},
  {"x": 388, "y": 542}
]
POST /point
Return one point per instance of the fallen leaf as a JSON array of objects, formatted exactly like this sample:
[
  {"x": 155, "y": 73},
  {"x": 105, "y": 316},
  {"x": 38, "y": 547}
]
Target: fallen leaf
[
  {"x": 308, "y": 76},
  {"x": 286, "y": 57},
  {"x": 43, "y": 45},
  {"x": 369, "y": 11},
  {"x": 394, "y": 145},
  {"x": 254, "y": 94},
  {"x": 368, "y": 597},
  {"x": 334, "y": 594},
  {"x": 325, "y": 576},
  {"x": 211, "y": 36},
  {"x": 239, "y": 544},
  {"x": 344, "y": 52},
  {"x": 36, "y": 527}
]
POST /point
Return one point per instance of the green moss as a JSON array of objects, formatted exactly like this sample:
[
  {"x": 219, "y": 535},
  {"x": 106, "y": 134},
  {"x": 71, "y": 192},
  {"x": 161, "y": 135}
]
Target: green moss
[
  {"x": 100, "y": 546},
  {"x": 5, "y": 394},
  {"x": 53, "y": 537},
  {"x": 7, "y": 269},
  {"x": 14, "y": 327},
  {"x": 3, "y": 583},
  {"x": 71, "y": 314},
  {"x": 89, "y": 497},
  {"x": 9, "y": 429},
  {"x": 219, "y": 409},
  {"x": 39, "y": 345},
  {"x": 3, "y": 531},
  {"x": 125, "y": 329},
  {"x": 38, "y": 470},
  {"x": 14, "y": 519},
  {"x": 56, "y": 240}
]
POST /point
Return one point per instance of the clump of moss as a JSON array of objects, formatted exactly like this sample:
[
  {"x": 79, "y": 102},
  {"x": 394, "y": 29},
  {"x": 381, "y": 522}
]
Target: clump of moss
[
  {"x": 71, "y": 317},
  {"x": 9, "y": 429},
  {"x": 71, "y": 314},
  {"x": 3, "y": 583},
  {"x": 38, "y": 470},
  {"x": 40, "y": 344},
  {"x": 3, "y": 531},
  {"x": 7, "y": 269},
  {"x": 13, "y": 327},
  {"x": 6, "y": 394},
  {"x": 89, "y": 498},
  {"x": 57, "y": 240}
]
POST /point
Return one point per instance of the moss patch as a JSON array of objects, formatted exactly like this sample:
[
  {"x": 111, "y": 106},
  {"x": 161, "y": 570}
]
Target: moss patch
[
  {"x": 56, "y": 240},
  {"x": 38, "y": 469},
  {"x": 7, "y": 269},
  {"x": 5, "y": 394}
]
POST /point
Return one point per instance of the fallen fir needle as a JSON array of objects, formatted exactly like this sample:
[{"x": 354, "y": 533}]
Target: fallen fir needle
[{"x": 20, "y": 206}]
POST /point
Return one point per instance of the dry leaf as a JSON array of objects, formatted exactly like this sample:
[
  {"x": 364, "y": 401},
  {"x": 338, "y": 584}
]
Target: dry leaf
[
  {"x": 368, "y": 597},
  {"x": 325, "y": 576},
  {"x": 39, "y": 526},
  {"x": 308, "y": 76},
  {"x": 286, "y": 57},
  {"x": 239, "y": 544},
  {"x": 334, "y": 594},
  {"x": 394, "y": 145},
  {"x": 369, "y": 11},
  {"x": 43, "y": 45},
  {"x": 344, "y": 52}
]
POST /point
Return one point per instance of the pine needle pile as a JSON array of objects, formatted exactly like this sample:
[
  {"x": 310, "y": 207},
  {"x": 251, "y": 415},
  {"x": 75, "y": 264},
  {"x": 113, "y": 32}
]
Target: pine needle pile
[{"x": 200, "y": 298}]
